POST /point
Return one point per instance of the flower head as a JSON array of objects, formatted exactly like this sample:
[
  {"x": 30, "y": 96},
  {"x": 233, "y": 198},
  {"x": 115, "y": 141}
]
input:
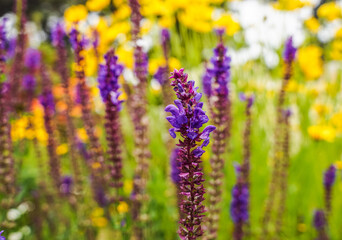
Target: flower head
[
  {"x": 239, "y": 205},
  {"x": 32, "y": 59},
  {"x": 109, "y": 78},
  {"x": 2, "y": 237},
  {"x": 249, "y": 99},
  {"x": 66, "y": 185},
  {"x": 58, "y": 34},
  {"x": 187, "y": 119},
  {"x": 3, "y": 37},
  {"x": 29, "y": 82},
  {"x": 329, "y": 176},
  {"x": 290, "y": 51},
  {"x": 319, "y": 220},
  {"x": 47, "y": 101}
]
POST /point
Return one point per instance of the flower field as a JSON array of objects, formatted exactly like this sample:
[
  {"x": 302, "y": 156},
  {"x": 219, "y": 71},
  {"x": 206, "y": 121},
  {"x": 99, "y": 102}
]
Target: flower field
[{"x": 171, "y": 119}]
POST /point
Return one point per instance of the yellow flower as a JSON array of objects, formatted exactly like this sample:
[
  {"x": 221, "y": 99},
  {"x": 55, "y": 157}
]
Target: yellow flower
[
  {"x": 310, "y": 61},
  {"x": 226, "y": 21},
  {"x": 336, "y": 49},
  {"x": 329, "y": 11},
  {"x": 82, "y": 134},
  {"x": 336, "y": 120},
  {"x": 322, "y": 132},
  {"x": 321, "y": 109},
  {"x": 288, "y": 5},
  {"x": 166, "y": 21},
  {"x": 301, "y": 227},
  {"x": 154, "y": 63},
  {"x": 96, "y": 165},
  {"x": 125, "y": 55},
  {"x": 128, "y": 186},
  {"x": 99, "y": 222},
  {"x": 338, "y": 164},
  {"x": 97, "y": 5},
  {"x": 97, "y": 212},
  {"x": 122, "y": 12},
  {"x": 174, "y": 63},
  {"x": 312, "y": 24},
  {"x": 90, "y": 63},
  {"x": 338, "y": 33},
  {"x": 123, "y": 207},
  {"x": 62, "y": 149},
  {"x": 75, "y": 13}
]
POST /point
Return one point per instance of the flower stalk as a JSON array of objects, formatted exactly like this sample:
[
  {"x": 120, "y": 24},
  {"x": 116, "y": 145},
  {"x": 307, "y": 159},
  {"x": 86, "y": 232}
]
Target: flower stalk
[{"x": 187, "y": 119}]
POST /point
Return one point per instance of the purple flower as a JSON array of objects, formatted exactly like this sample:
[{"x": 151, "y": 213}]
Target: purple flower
[
  {"x": 66, "y": 185},
  {"x": 58, "y": 34},
  {"x": 32, "y": 59},
  {"x": 47, "y": 100},
  {"x": 187, "y": 119},
  {"x": 165, "y": 36},
  {"x": 175, "y": 165},
  {"x": 77, "y": 43},
  {"x": 29, "y": 82},
  {"x": 248, "y": 99},
  {"x": 109, "y": 78},
  {"x": 319, "y": 220},
  {"x": 2, "y": 237},
  {"x": 289, "y": 51},
  {"x": 239, "y": 204},
  {"x": 3, "y": 38},
  {"x": 329, "y": 176},
  {"x": 160, "y": 75},
  {"x": 141, "y": 63}
]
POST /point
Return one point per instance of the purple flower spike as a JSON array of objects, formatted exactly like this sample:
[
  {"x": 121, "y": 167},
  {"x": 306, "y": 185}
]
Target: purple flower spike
[
  {"x": 108, "y": 78},
  {"x": 58, "y": 34},
  {"x": 249, "y": 99},
  {"x": 239, "y": 205},
  {"x": 32, "y": 59},
  {"x": 175, "y": 165},
  {"x": 29, "y": 82},
  {"x": 2, "y": 237},
  {"x": 319, "y": 220},
  {"x": 320, "y": 223},
  {"x": 290, "y": 51},
  {"x": 187, "y": 119},
  {"x": 329, "y": 179},
  {"x": 66, "y": 185},
  {"x": 329, "y": 176},
  {"x": 109, "y": 86}
]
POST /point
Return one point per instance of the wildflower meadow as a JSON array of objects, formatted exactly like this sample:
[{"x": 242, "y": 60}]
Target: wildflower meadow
[{"x": 170, "y": 119}]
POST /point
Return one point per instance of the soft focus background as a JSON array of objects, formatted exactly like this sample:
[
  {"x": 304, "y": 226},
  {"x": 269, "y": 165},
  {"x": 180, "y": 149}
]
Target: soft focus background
[{"x": 255, "y": 36}]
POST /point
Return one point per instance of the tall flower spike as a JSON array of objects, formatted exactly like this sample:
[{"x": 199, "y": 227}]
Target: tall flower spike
[
  {"x": 320, "y": 223},
  {"x": 239, "y": 205},
  {"x": 16, "y": 73},
  {"x": 216, "y": 87},
  {"x": 47, "y": 101},
  {"x": 109, "y": 88},
  {"x": 58, "y": 35},
  {"x": 78, "y": 44},
  {"x": 274, "y": 185},
  {"x": 329, "y": 179},
  {"x": 245, "y": 167},
  {"x": 7, "y": 179},
  {"x": 284, "y": 168},
  {"x": 187, "y": 118},
  {"x": 137, "y": 107}
]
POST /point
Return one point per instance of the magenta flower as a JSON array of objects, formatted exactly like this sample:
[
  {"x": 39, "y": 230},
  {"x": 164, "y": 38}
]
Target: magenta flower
[{"x": 187, "y": 119}]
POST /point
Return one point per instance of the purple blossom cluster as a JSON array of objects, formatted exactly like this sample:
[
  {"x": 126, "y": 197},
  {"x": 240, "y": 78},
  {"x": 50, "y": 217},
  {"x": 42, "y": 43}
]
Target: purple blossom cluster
[
  {"x": 329, "y": 177},
  {"x": 109, "y": 79},
  {"x": 239, "y": 205},
  {"x": 32, "y": 59},
  {"x": 109, "y": 88},
  {"x": 187, "y": 119},
  {"x": 289, "y": 51},
  {"x": 3, "y": 42},
  {"x": 58, "y": 34},
  {"x": 219, "y": 73}
]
